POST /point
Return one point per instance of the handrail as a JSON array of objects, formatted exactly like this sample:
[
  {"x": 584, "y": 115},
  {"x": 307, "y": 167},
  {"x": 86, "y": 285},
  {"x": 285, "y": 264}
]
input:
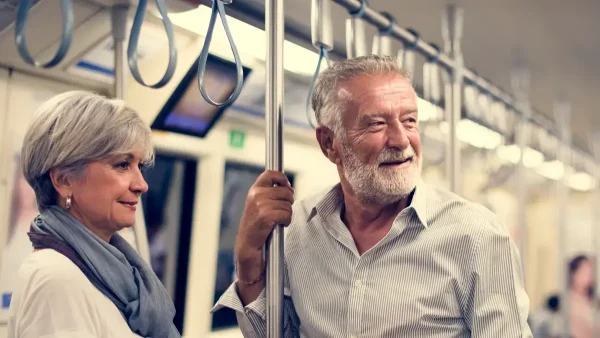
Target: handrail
[
  {"x": 132, "y": 56},
  {"x": 323, "y": 54},
  {"x": 218, "y": 9},
  {"x": 65, "y": 40}
]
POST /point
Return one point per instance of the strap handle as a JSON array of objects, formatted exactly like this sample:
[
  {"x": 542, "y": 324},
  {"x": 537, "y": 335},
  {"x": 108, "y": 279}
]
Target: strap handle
[
  {"x": 66, "y": 37},
  {"x": 132, "y": 55},
  {"x": 323, "y": 54},
  {"x": 218, "y": 9}
]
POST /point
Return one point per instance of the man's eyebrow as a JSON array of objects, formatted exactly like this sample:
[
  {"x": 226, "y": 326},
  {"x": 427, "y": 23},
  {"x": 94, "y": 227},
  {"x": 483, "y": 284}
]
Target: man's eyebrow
[{"x": 364, "y": 116}]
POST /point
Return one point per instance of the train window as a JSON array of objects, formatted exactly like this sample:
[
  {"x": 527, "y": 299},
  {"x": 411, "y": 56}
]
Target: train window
[
  {"x": 238, "y": 180},
  {"x": 168, "y": 210}
]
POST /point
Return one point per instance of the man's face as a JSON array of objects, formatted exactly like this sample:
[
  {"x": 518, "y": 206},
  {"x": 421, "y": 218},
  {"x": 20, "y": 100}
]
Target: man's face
[{"x": 381, "y": 150}]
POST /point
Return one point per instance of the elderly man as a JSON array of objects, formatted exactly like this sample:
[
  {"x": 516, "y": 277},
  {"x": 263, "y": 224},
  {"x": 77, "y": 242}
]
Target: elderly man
[{"x": 381, "y": 254}]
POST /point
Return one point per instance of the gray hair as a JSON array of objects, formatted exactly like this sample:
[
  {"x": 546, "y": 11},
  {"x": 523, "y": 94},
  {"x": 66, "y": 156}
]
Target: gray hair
[
  {"x": 326, "y": 102},
  {"x": 75, "y": 128}
]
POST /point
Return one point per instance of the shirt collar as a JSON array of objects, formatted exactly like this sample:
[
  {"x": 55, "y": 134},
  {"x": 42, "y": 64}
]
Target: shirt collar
[
  {"x": 331, "y": 202},
  {"x": 419, "y": 202}
]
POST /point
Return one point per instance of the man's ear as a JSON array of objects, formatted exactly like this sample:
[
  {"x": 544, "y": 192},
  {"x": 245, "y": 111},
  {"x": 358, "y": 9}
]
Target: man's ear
[
  {"x": 61, "y": 183},
  {"x": 326, "y": 139}
]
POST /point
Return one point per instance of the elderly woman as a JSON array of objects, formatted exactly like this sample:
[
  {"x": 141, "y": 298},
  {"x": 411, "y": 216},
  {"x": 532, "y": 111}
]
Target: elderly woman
[{"x": 83, "y": 155}]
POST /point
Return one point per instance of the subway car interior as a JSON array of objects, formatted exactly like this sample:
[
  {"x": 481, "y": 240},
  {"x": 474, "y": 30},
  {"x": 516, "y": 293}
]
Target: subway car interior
[{"x": 521, "y": 140}]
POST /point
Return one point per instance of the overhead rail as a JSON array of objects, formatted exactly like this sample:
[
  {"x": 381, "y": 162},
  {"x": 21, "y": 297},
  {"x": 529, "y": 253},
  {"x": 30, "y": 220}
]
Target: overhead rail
[
  {"x": 132, "y": 54},
  {"x": 66, "y": 8},
  {"x": 219, "y": 9}
]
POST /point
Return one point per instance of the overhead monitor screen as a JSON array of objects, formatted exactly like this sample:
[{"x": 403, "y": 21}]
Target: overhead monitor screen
[{"x": 186, "y": 111}]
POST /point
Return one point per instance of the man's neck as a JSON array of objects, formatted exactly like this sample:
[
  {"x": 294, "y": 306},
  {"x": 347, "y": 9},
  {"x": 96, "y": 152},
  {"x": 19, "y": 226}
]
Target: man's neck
[{"x": 365, "y": 217}]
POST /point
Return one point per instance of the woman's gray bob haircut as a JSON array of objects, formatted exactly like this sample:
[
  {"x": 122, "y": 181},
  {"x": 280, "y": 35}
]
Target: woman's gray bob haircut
[
  {"x": 326, "y": 104},
  {"x": 75, "y": 128}
]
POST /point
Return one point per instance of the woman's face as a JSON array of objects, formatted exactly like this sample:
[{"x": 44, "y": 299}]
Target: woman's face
[
  {"x": 105, "y": 198},
  {"x": 583, "y": 277}
]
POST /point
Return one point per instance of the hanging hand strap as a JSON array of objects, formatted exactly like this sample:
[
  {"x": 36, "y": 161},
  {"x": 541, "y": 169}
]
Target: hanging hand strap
[
  {"x": 132, "y": 55},
  {"x": 65, "y": 40},
  {"x": 218, "y": 9},
  {"x": 323, "y": 54}
]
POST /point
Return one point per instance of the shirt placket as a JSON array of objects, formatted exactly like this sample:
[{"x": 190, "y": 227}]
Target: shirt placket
[{"x": 356, "y": 296}]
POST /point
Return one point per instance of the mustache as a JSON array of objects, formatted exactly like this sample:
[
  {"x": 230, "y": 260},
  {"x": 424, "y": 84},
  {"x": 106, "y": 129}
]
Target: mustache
[{"x": 394, "y": 155}]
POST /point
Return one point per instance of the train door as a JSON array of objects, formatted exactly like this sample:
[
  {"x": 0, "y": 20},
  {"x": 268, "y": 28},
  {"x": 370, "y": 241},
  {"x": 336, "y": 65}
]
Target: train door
[{"x": 168, "y": 212}]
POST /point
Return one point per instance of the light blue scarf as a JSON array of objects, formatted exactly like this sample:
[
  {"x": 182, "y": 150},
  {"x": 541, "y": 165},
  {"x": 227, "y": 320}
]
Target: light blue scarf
[{"x": 120, "y": 274}]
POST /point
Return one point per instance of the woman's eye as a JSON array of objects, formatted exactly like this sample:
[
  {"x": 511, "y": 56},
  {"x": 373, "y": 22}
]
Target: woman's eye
[{"x": 122, "y": 165}]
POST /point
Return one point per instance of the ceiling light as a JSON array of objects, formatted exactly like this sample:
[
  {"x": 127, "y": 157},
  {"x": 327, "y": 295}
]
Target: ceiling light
[
  {"x": 581, "y": 181},
  {"x": 509, "y": 153},
  {"x": 553, "y": 170},
  {"x": 532, "y": 158},
  {"x": 428, "y": 111}
]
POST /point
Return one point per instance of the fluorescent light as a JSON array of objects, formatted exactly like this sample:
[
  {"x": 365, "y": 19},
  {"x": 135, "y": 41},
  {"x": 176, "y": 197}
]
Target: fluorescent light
[
  {"x": 427, "y": 110},
  {"x": 553, "y": 170},
  {"x": 510, "y": 153},
  {"x": 581, "y": 181},
  {"x": 532, "y": 158},
  {"x": 474, "y": 134},
  {"x": 249, "y": 40}
]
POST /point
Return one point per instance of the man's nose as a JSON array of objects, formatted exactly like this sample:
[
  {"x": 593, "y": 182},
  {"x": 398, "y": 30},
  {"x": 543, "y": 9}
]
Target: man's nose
[{"x": 397, "y": 137}]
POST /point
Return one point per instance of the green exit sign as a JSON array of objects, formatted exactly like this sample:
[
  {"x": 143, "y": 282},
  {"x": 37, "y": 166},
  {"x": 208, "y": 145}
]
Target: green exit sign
[{"x": 237, "y": 139}]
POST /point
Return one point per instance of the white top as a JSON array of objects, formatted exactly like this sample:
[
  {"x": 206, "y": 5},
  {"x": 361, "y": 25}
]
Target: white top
[{"x": 56, "y": 300}]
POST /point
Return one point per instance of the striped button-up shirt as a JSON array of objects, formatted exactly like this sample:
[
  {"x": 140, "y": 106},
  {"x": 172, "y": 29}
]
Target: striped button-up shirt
[{"x": 447, "y": 268}]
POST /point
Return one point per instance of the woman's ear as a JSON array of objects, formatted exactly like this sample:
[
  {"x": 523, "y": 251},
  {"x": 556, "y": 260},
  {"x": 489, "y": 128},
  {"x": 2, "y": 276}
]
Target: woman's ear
[
  {"x": 61, "y": 183},
  {"x": 326, "y": 139}
]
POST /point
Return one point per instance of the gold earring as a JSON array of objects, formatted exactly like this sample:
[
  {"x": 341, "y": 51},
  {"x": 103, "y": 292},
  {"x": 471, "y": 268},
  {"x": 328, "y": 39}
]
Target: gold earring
[{"x": 68, "y": 204}]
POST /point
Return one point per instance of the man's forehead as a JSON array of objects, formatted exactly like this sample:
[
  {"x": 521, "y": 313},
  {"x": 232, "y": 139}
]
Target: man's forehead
[
  {"x": 375, "y": 90},
  {"x": 367, "y": 86}
]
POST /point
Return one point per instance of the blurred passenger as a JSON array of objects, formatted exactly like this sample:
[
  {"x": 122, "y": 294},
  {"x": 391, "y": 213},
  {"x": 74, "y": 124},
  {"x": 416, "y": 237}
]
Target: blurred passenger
[
  {"x": 581, "y": 289},
  {"x": 380, "y": 254},
  {"x": 544, "y": 323},
  {"x": 83, "y": 155}
]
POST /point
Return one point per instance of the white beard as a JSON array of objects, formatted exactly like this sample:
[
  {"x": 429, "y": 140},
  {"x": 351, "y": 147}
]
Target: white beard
[{"x": 379, "y": 185}]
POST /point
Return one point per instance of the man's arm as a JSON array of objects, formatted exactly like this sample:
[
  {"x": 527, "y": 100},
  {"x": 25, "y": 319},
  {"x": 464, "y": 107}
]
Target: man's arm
[
  {"x": 497, "y": 305},
  {"x": 252, "y": 317}
]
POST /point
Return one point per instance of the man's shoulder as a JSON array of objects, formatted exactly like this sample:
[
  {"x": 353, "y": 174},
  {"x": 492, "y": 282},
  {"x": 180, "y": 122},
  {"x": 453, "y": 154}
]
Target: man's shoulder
[
  {"x": 452, "y": 208},
  {"x": 307, "y": 204}
]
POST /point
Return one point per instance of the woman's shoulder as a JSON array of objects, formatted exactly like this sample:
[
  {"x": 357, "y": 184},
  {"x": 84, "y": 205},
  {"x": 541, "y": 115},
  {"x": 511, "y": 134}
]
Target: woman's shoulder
[
  {"x": 51, "y": 283},
  {"x": 48, "y": 268}
]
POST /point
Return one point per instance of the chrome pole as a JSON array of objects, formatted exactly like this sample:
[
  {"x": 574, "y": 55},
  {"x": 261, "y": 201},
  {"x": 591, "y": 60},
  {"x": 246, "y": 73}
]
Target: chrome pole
[
  {"x": 274, "y": 27},
  {"x": 562, "y": 112},
  {"x": 595, "y": 145},
  {"x": 119, "y": 21},
  {"x": 452, "y": 27},
  {"x": 520, "y": 81}
]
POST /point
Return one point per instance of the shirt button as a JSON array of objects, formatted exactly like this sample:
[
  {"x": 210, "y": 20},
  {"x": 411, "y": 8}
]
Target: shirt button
[{"x": 357, "y": 283}]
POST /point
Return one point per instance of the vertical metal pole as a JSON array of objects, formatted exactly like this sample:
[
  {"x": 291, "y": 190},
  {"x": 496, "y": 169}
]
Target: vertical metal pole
[
  {"x": 595, "y": 145},
  {"x": 452, "y": 27},
  {"x": 274, "y": 27},
  {"x": 119, "y": 21},
  {"x": 520, "y": 85},
  {"x": 562, "y": 112}
]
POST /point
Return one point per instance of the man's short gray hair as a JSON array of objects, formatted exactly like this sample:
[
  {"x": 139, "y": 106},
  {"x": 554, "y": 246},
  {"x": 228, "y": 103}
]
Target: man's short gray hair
[
  {"x": 75, "y": 128},
  {"x": 325, "y": 102}
]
